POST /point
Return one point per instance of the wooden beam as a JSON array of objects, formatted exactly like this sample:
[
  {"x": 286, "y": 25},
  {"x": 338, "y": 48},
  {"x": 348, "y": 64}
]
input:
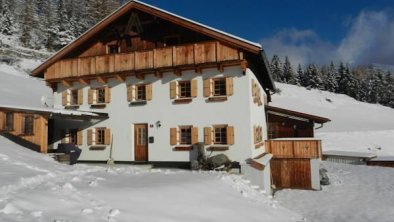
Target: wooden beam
[
  {"x": 158, "y": 74},
  {"x": 101, "y": 80},
  {"x": 120, "y": 78},
  {"x": 244, "y": 65},
  {"x": 198, "y": 70},
  {"x": 178, "y": 72},
  {"x": 66, "y": 83},
  {"x": 83, "y": 81},
  {"x": 140, "y": 76},
  {"x": 221, "y": 67}
]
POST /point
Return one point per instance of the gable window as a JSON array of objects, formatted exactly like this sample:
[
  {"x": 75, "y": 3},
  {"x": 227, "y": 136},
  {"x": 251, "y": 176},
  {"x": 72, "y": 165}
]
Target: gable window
[
  {"x": 139, "y": 93},
  {"x": 72, "y": 97},
  {"x": 183, "y": 90},
  {"x": 99, "y": 136},
  {"x": 73, "y": 136},
  {"x": 113, "y": 49},
  {"x": 9, "y": 121},
  {"x": 258, "y": 136},
  {"x": 256, "y": 93},
  {"x": 99, "y": 96},
  {"x": 218, "y": 89},
  {"x": 28, "y": 126}
]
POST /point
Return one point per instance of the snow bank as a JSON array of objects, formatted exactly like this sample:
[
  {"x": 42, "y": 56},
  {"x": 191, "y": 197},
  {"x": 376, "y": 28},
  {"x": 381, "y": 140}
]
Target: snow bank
[
  {"x": 354, "y": 126},
  {"x": 33, "y": 187},
  {"x": 357, "y": 193}
]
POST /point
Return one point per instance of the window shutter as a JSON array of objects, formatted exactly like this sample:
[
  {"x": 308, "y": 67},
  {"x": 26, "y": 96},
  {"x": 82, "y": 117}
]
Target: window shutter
[
  {"x": 194, "y": 135},
  {"x": 193, "y": 84},
  {"x": 79, "y": 137},
  {"x": 229, "y": 86},
  {"x": 148, "y": 89},
  {"x": 208, "y": 135},
  {"x": 207, "y": 88},
  {"x": 254, "y": 134},
  {"x": 63, "y": 136},
  {"x": 80, "y": 96},
  {"x": 129, "y": 93},
  {"x": 90, "y": 96},
  {"x": 107, "y": 136},
  {"x": 230, "y": 135},
  {"x": 64, "y": 98},
  {"x": 107, "y": 94},
  {"x": 2, "y": 121},
  {"x": 173, "y": 136},
  {"x": 173, "y": 90},
  {"x": 90, "y": 135},
  {"x": 23, "y": 120}
]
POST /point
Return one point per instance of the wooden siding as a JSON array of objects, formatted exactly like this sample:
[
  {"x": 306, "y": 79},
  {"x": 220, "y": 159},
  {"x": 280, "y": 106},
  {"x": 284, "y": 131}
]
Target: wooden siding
[
  {"x": 40, "y": 130},
  {"x": 291, "y": 173},
  {"x": 294, "y": 148},
  {"x": 156, "y": 59}
]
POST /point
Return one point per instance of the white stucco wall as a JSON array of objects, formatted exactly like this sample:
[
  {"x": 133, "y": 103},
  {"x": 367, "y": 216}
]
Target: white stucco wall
[{"x": 238, "y": 111}]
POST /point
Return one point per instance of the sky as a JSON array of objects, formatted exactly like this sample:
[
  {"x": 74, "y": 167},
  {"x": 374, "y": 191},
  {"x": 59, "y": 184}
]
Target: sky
[{"x": 308, "y": 31}]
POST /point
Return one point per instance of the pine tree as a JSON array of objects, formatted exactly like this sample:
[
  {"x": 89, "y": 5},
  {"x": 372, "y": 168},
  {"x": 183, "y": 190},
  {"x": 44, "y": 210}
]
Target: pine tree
[
  {"x": 276, "y": 68},
  {"x": 27, "y": 23},
  {"x": 288, "y": 73},
  {"x": 314, "y": 77},
  {"x": 6, "y": 18},
  {"x": 330, "y": 78},
  {"x": 347, "y": 83},
  {"x": 302, "y": 78}
]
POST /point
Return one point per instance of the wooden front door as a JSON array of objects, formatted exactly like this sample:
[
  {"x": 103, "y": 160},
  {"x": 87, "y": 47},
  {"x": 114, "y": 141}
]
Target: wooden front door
[
  {"x": 291, "y": 173},
  {"x": 141, "y": 142}
]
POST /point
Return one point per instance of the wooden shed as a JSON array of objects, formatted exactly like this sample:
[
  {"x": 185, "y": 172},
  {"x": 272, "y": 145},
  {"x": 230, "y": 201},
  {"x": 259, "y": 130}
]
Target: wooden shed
[
  {"x": 284, "y": 123},
  {"x": 384, "y": 161},
  {"x": 348, "y": 157}
]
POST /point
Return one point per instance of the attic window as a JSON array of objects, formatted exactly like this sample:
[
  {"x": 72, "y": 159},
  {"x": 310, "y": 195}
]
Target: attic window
[{"x": 113, "y": 49}]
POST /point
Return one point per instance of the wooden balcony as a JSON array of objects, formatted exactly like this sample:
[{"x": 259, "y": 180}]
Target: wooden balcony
[
  {"x": 182, "y": 57},
  {"x": 297, "y": 148}
]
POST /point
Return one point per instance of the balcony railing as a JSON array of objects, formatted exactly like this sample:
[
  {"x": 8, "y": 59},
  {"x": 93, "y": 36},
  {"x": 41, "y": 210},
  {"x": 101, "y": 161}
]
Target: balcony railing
[
  {"x": 156, "y": 59},
  {"x": 297, "y": 148}
]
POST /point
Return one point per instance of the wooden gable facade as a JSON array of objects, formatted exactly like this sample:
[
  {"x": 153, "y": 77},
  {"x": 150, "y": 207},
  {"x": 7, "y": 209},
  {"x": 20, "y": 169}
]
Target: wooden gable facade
[{"x": 139, "y": 39}]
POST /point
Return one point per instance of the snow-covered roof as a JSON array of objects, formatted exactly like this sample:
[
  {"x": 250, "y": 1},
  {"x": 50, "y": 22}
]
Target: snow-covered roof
[
  {"x": 349, "y": 154},
  {"x": 59, "y": 111}
]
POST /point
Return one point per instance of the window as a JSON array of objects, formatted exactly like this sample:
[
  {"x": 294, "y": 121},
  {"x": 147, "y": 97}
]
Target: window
[
  {"x": 70, "y": 136},
  {"x": 139, "y": 93},
  {"x": 28, "y": 125},
  {"x": 185, "y": 135},
  {"x": 258, "y": 134},
  {"x": 100, "y": 136},
  {"x": 74, "y": 97},
  {"x": 113, "y": 49},
  {"x": 220, "y": 135},
  {"x": 219, "y": 87},
  {"x": 100, "y": 95},
  {"x": 9, "y": 121},
  {"x": 181, "y": 90},
  {"x": 256, "y": 93}
]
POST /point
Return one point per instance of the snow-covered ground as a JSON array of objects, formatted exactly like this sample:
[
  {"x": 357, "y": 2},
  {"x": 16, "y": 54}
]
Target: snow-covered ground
[
  {"x": 357, "y": 193},
  {"x": 33, "y": 187},
  {"x": 354, "y": 126}
]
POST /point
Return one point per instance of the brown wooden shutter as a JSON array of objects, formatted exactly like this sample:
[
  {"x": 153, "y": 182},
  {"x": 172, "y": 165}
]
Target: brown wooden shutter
[
  {"x": 194, "y": 135},
  {"x": 64, "y": 98},
  {"x": 90, "y": 136},
  {"x": 148, "y": 89},
  {"x": 254, "y": 134},
  {"x": 22, "y": 123},
  {"x": 90, "y": 96},
  {"x": 80, "y": 96},
  {"x": 173, "y": 90},
  {"x": 2, "y": 120},
  {"x": 173, "y": 136},
  {"x": 79, "y": 137},
  {"x": 230, "y": 135},
  {"x": 229, "y": 86},
  {"x": 129, "y": 93},
  {"x": 208, "y": 135},
  {"x": 193, "y": 84},
  {"x": 107, "y": 94},
  {"x": 107, "y": 136},
  {"x": 207, "y": 88}
]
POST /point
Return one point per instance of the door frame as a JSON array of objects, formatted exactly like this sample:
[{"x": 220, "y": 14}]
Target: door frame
[{"x": 135, "y": 141}]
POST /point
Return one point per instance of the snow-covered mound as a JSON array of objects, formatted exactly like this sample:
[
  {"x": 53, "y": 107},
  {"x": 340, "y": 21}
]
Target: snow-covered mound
[
  {"x": 19, "y": 89},
  {"x": 33, "y": 187},
  {"x": 354, "y": 126},
  {"x": 357, "y": 193}
]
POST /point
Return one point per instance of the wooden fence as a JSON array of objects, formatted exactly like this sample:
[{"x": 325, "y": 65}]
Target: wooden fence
[
  {"x": 294, "y": 148},
  {"x": 168, "y": 57}
]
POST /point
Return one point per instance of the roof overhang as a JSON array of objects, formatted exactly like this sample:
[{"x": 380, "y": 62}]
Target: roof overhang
[
  {"x": 296, "y": 115},
  {"x": 235, "y": 41}
]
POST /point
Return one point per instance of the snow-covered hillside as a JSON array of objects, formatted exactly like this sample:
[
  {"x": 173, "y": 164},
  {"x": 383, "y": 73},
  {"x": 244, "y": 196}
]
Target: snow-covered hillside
[
  {"x": 354, "y": 126},
  {"x": 33, "y": 187}
]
